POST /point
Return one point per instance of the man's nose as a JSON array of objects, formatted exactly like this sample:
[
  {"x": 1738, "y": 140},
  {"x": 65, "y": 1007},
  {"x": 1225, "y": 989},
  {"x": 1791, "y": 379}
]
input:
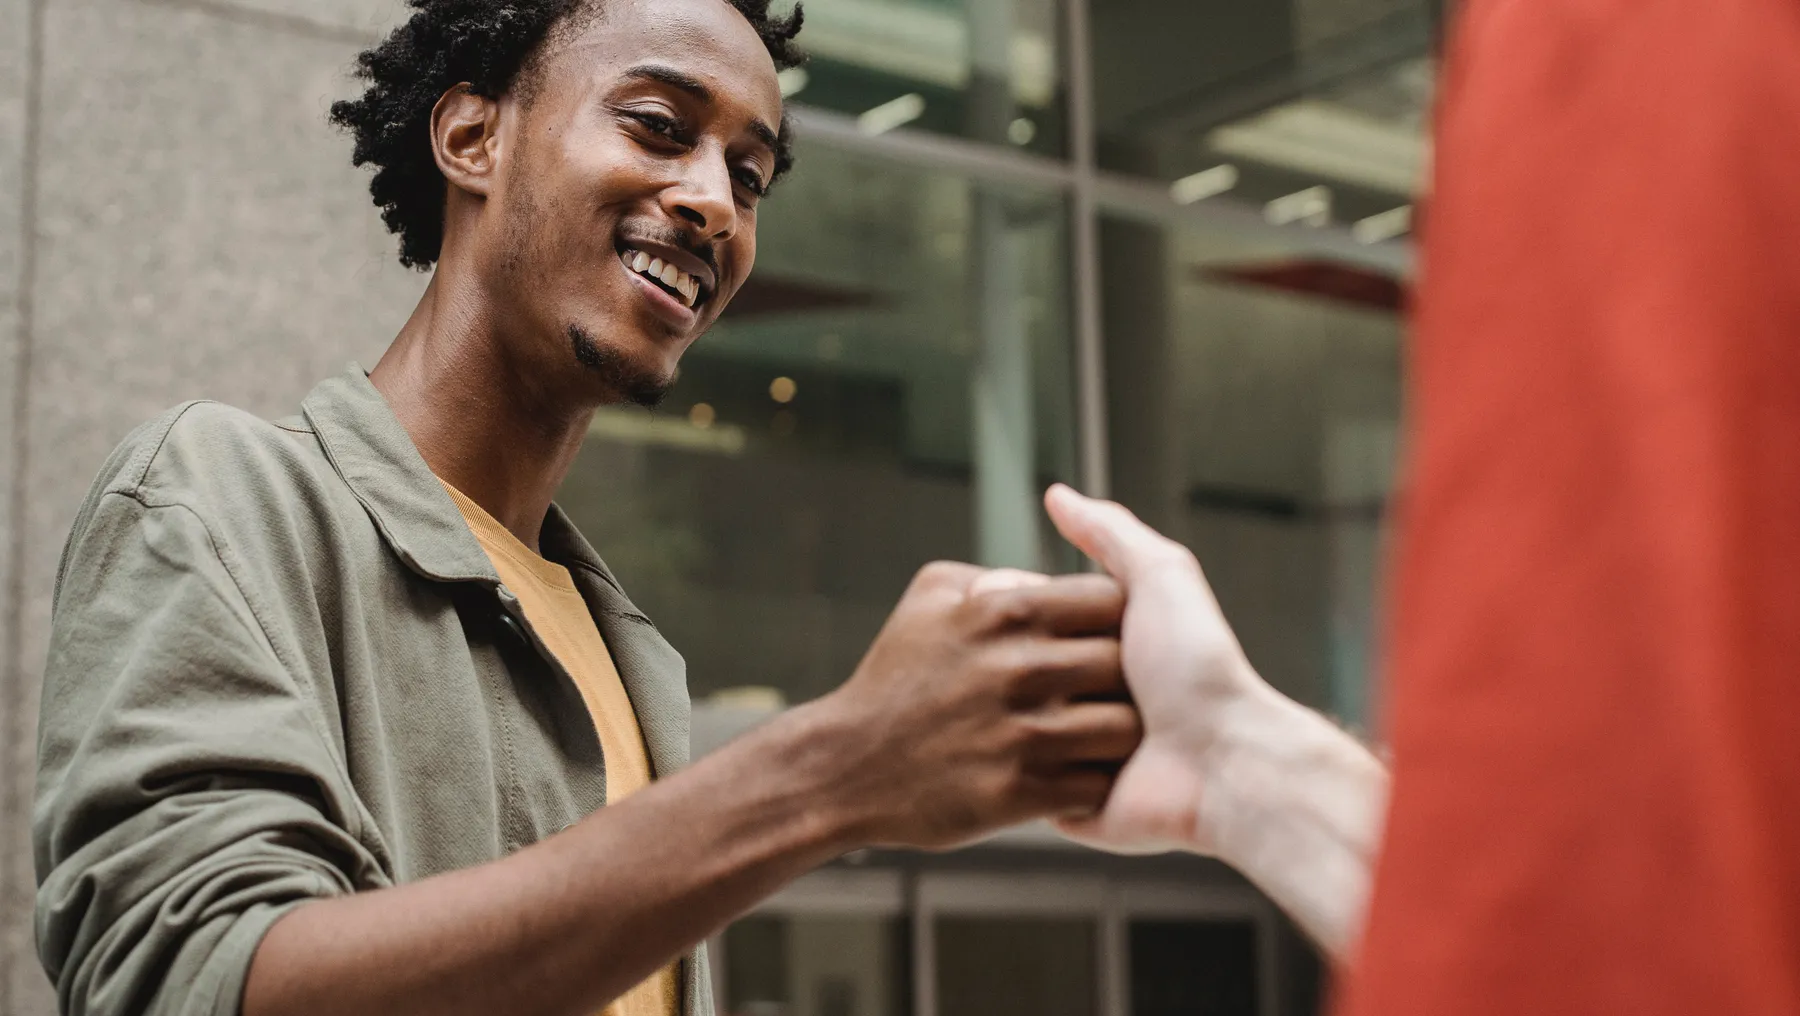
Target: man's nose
[{"x": 704, "y": 198}]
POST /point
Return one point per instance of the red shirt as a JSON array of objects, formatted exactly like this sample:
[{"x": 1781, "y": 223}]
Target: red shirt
[{"x": 1596, "y": 649}]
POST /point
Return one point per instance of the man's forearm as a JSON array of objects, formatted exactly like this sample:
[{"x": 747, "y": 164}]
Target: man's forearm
[
  {"x": 570, "y": 923},
  {"x": 1296, "y": 804}
]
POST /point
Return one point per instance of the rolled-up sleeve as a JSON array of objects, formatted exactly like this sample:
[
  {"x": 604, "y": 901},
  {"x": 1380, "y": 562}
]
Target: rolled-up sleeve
[{"x": 191, "y": 786}]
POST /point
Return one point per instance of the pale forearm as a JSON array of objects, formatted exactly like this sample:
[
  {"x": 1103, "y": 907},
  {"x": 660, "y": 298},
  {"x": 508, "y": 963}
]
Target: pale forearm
[
  {"x": 1296, "y": 804},
  {"x": 568, "y": 924}
]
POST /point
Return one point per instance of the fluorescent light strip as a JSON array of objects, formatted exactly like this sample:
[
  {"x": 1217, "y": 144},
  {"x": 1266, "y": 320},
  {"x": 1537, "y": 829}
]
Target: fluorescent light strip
[
  {"x": 793, "y": 81},
  {"x": 892, "y": 114},
  {"x": 1208, "y": 183},
  {"x": 1311, "y": 207},
  {"x": 1389, "y": 225}
]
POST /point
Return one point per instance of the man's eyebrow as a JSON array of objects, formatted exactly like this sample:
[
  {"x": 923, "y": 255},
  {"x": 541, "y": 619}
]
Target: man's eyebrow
[{"x": 693, "y": 86}]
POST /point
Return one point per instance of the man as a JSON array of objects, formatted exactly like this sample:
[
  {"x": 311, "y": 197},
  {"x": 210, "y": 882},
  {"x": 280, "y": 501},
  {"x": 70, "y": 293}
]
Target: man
[
  {"x": 333, "y": 704},
  {"x": 1596, "y": 794}
]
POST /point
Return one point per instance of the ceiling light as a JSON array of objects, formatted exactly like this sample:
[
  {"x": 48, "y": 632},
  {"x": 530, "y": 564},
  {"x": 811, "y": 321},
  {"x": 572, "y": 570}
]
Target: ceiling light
[
  {"x": 793, "y": 81},
  {"x": 783, "y": 390},
  {"x": 1389, "y": 225},
  {"x": 892, "y": 114},
  {"x": 1323, "y": 140},
  {"x": 1021, "y": 132},
  {"x": 1311, "y": 207},
  {"x": 1208, "y": 183}
]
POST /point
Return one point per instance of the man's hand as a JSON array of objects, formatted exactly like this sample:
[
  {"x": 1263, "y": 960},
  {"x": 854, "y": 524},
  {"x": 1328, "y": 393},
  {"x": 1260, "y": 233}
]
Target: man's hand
[
  {"x": 1228, "y": 765},
  {"x": 984, "y": 702},
  {"x": 981, "y": 704},
  {"x": 1185, "y": 670}
]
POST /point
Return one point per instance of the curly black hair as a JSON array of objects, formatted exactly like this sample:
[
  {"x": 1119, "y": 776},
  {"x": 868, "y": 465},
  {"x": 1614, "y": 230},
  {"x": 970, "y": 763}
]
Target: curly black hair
[{"x": 489, "y": 44}]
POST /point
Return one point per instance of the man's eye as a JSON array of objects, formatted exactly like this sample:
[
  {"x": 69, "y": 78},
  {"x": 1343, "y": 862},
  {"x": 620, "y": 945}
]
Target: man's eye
[
  {"x": 752, "y": 182},
  {"x": 658, "y": 124}
]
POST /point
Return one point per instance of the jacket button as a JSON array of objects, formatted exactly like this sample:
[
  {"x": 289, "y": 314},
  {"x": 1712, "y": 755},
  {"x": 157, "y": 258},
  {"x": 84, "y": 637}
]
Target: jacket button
[{"x": 511, "y": 624}]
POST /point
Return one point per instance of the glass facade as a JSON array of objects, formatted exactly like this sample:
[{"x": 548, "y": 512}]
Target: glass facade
[{"x": 1155, "y": 248}]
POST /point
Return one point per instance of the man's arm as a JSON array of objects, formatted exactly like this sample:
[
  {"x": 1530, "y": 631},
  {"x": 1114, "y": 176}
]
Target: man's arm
[
  {"x": 956, "y": 723},
  {"x": 1229, "y": 766}
]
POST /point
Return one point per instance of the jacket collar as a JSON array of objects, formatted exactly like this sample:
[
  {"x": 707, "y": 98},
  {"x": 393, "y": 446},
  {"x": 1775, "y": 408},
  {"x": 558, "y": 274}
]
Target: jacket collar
[{"x": 378, "y": 461}]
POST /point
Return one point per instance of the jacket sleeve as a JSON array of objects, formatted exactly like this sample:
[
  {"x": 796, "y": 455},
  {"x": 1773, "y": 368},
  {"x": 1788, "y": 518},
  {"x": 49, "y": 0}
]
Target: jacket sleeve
[{"x": 190, "y": 792}]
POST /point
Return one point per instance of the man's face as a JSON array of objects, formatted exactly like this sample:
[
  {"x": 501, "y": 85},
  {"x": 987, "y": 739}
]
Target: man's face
[{"x": 627, "y": 204}]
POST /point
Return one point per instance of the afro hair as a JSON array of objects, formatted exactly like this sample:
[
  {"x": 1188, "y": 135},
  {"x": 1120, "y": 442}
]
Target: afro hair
[{"x": 487, "y": 43}]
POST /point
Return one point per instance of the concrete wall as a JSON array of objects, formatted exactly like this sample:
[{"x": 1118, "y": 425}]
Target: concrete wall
[{"x": 177, "y": 221}]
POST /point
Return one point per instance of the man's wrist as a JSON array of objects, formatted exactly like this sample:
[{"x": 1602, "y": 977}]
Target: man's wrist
[
  {"x": 1264, "y": 748},
  {"x": 810, "y": 746}
]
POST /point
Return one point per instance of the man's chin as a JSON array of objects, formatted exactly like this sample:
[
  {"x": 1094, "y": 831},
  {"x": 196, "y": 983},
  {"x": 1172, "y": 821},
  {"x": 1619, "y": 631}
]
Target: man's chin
[{"x": 624, "y": 378}]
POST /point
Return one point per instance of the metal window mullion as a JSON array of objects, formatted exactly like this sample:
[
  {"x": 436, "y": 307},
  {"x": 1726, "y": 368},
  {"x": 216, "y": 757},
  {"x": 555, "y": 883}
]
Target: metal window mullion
[
  {"x": 924, "y": 948},
  {"x": 1084, "y": 261},
  {"x": 1115, "y": 983}
]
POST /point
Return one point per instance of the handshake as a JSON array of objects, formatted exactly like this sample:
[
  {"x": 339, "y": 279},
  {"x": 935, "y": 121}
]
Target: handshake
[{"x": 1118, "y": 705}]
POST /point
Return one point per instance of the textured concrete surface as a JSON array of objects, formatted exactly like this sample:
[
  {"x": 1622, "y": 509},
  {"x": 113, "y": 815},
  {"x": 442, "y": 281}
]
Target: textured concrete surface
[
  {"x": 200, "y": 234},
  {"x": 15, "y": 42},
  {"x": 368, "y": 16}
]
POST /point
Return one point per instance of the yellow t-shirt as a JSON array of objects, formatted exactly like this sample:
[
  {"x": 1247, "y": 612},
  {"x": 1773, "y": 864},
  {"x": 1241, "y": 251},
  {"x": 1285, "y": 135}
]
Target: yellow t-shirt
[{"x": 561, "y": 619}]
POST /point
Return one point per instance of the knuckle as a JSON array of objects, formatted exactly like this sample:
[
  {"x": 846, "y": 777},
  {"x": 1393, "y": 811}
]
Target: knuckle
[
  {"x": 1004, "y": 609},
  {"x": 1016, "y": 669},
  {"x": 1177, "y": 557},
  {"x": 937, "y": 573}
]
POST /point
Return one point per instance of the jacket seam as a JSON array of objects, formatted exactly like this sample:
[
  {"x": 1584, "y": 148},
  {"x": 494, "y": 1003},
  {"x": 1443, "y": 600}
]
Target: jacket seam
[
  {"x": 146, "y": 458},
  {"x": 614, "y": 583},
  {"x": 218, "y": 547}
]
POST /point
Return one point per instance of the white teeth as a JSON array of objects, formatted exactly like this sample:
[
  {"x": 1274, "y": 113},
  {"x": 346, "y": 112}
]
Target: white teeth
[{"x": 662, "y": 271}]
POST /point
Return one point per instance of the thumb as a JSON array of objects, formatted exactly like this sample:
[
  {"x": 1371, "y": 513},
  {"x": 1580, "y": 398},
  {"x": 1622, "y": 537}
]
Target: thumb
[
  {"x": 1073, "y": 516},
  {"x": 1107, "y": 532}
]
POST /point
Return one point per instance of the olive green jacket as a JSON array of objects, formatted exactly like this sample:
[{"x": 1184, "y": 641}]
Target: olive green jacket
[{"x": 282, "y": 668}]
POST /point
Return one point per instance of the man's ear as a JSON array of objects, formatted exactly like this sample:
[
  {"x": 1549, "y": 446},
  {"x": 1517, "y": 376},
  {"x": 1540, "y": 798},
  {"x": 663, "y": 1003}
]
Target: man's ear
[{"x": 465, "y": 139}]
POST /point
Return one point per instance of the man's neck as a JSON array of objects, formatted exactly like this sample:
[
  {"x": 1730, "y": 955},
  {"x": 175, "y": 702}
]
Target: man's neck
[{"x": 483, "y": 425}]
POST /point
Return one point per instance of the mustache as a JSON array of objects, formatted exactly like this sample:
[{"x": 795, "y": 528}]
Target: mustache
[{"x": 680, "y": 239}]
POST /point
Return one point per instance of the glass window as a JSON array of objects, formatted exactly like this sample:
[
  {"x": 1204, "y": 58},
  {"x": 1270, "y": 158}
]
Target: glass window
[
  {"x": 893, "y": 386},
  {"x": 984, "y": 69},
  {"x": 1193, "y": 968},
  {"x": 1315, "y": 111},
  {"x": 1254, "y": 398},
  {"x": 817, "y": 965},
  {"x": 1017, "y": 966}
]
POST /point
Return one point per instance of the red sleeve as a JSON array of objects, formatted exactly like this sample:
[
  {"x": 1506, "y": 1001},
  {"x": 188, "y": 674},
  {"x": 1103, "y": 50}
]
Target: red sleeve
[{"x": 1595, "y": 656}]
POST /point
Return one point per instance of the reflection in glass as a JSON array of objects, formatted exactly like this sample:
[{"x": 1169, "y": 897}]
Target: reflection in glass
[
  {"x": 1016, "y": 966},
  {"x": 1254, "y": 402},
  {"x": 892, "y": 387},
  {"x": 1322, "y": 102},
  {"x": 1193, "y": 968},
  {"x": 983, "y": 69},
  {"x": 817, "y": 966}
]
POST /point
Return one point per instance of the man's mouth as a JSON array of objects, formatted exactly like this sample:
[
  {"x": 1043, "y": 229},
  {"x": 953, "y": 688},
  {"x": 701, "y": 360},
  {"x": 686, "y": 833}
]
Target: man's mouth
[{"x": 670, "y": 279}]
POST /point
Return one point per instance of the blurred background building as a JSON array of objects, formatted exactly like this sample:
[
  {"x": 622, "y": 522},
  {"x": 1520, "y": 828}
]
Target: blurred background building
[{"x": 1156, "y": 248}]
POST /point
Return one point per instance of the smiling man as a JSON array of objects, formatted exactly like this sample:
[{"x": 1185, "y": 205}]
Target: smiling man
[{"x": 343, "y": 716}]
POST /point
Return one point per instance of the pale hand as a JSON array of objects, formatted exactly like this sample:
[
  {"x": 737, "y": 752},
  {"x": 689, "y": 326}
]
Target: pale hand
[{"x": 1184, "y": 668}]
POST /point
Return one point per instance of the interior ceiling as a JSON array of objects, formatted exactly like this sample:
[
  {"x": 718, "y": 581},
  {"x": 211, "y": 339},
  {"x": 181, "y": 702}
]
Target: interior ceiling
[{"x": 1333, "y": 91}]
